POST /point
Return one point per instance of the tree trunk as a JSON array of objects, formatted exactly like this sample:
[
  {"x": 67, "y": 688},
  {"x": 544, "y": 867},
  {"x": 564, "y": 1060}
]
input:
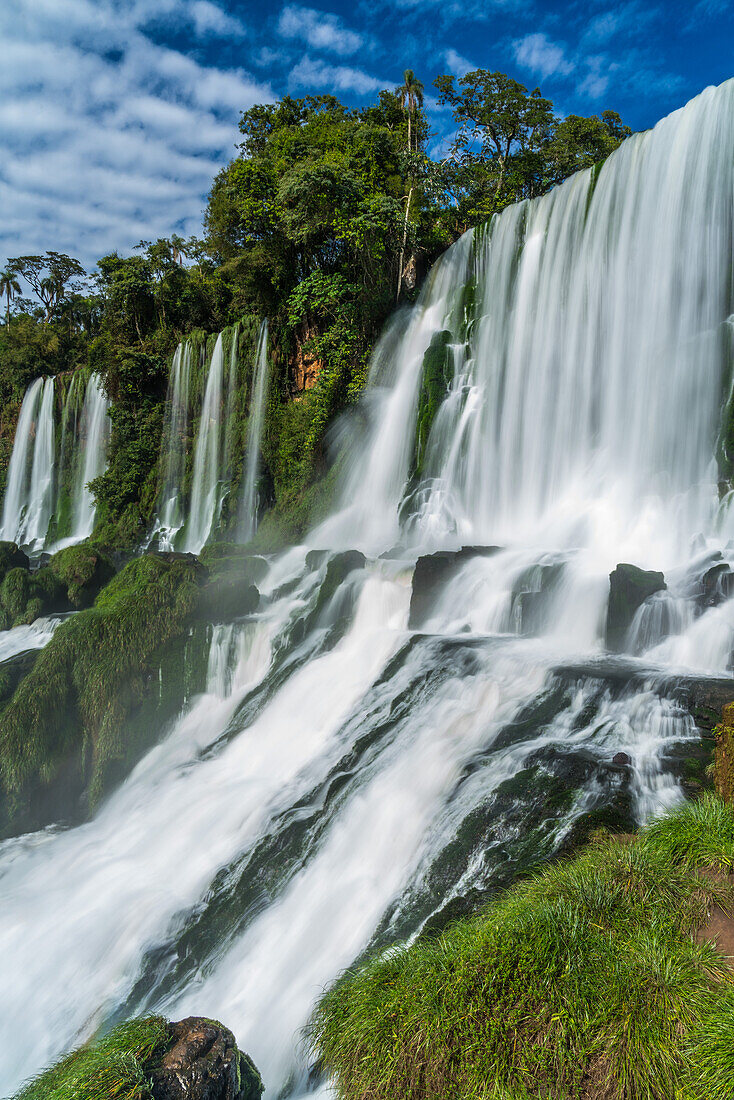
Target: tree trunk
[{"x": 402, "y": 250}]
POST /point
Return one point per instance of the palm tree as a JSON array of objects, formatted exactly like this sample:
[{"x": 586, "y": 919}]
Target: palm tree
[
  {"x": 10, "y": 287},
  {"x": 410, "y": 96}
]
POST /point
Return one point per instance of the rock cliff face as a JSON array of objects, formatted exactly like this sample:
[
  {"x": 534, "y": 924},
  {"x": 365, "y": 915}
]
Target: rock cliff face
[
  {"x": 305, "y": 366},
  {"x": 724, "y": 755}
]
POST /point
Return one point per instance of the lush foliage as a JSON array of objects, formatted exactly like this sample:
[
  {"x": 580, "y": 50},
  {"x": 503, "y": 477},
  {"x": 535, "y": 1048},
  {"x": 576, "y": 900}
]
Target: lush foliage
[{"x": 584, "y": 981}]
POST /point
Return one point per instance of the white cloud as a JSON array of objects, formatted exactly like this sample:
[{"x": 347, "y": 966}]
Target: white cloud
[
  {"x": 318, "y": 29},
  {"x": 458, "y": 64},
  {"x": 107, "y": 136},
  {"x": 210, "y": 20},
  {"x": 541, "y": 55},
  {"x": 309, "y": 73},
  {"x": 596, "y": 81}
]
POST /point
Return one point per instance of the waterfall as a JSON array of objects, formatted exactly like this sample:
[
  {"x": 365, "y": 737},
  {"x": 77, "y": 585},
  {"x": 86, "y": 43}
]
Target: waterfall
[
  {"x": 94, "y": 437},
  {"x": 16, "y": 492},
  {"x": 47, "y": 503},
  {"x": 205, "y": 489},
  {"x": 254, "y": 436},
  {"x": 29, "y": 496},
  {"x": 358, "y": 771},
  {"x": 170, "y": 500}
]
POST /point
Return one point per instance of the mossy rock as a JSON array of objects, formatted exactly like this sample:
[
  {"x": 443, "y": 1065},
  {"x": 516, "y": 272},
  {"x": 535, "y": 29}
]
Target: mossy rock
[
  {"x": 12, "y": 557},
  {"x": 63, "y": 733},
  {"x": 151, "y": 1059},
  {"x": 25, "y": 596},
  {"x": 84, "y": 571}
]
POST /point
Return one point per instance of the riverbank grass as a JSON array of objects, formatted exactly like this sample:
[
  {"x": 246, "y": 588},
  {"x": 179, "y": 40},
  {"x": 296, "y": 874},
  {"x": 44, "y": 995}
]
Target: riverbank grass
[
  {"x": 114, "y": 1067},
  {"x": 582, "y": 983}
]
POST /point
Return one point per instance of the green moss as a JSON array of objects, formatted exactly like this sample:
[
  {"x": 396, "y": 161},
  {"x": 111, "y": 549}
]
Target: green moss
[
  {"x": 584, "y": 981},
  {"x": 83, "y": 571},
  {"x": 435, "y": 380},
  {"x": 11, "y": 557},
  {"x": 63, "y": 730},
  {"x": 116, "y": 1066}
]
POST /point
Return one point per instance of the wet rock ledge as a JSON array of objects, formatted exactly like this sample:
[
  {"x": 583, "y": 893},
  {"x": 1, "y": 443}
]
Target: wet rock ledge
[{"x": 152, "y": 1059}]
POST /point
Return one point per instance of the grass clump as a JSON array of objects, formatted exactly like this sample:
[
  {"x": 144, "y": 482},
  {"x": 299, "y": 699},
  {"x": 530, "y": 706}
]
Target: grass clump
[
  {"x": 582, "y": 982},
  {"x": 114, "y": 1067}
]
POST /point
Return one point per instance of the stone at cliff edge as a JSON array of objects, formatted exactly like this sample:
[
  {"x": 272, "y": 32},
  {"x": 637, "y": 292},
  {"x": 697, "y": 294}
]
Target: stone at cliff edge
[
  {"x": 629, "y": 587},
  {"x": 204, "y": 1064}
]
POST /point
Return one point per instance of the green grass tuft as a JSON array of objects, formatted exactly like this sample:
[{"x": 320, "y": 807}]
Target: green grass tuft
[
  {"x": 113, "y": 1067},
  {"x": 581, "y": 982},
  {"x": 701, "y": 834}
]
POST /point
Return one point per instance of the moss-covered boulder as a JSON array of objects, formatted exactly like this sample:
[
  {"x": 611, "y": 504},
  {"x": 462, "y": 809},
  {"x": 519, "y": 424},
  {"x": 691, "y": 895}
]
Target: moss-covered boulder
[
  {"x": 151, "y": 1059},
  {"x": 436, "y": 375},
  {"x": 83, "y": 571},
  {"x": 62, "y": 735},
  {"x": 109, "y": 682},
  {"x": 12, "y": 557},
  {"x": 629, "y": 587},
  {"x": 26, "y": 596}
]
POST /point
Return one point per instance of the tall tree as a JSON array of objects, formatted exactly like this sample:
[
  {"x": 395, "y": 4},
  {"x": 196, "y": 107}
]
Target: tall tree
[
  {"x": 410, "y": 95},
  {"x": 9, "y": 288},
  {"x": 48, "y": 277}
]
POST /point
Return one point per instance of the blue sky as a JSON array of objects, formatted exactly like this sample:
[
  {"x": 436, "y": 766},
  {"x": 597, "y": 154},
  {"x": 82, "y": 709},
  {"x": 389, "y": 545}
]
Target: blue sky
[{"x": 116, "y": 114}]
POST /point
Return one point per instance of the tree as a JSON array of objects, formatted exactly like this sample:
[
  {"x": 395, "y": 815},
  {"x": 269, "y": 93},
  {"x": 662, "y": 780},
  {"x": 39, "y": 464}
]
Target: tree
[
  {"x": 410, "y": 96},
  {"x": 9, "y": 287},
  {"x": 48, "y": 277}
]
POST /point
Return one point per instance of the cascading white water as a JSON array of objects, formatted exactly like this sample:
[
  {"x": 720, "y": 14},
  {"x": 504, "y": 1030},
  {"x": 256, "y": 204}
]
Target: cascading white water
[
  {"x": 254, "y": 436},
  {"x": 92, "y": 445},
  {"x": 345, "y": 778},
  {"x": 35, "y": 514},
  {"x": 205, "y": 490},
  {"x": 170, "y": 500},
  {"x": 40, "y": 510},
  {"x": 15, "y": 503}
]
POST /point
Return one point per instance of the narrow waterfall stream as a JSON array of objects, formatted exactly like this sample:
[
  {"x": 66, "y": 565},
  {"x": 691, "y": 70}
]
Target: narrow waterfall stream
[
  {"x": 361, "y": 769},
  {"x": 254, "y": 436},
  {"x": 94, "y": 436},
  {"x": 205, "y": 491},
  {"x": 170, "y": 501}
]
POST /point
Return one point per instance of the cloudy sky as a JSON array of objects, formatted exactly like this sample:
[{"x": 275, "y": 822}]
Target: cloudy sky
[{"x": 116, "y": 114}]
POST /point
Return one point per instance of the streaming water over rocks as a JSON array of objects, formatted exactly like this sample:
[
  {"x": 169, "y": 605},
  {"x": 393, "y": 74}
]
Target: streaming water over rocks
[
  {"x": 254, "y": 436},
  {"x": 47, "y": 502},
  {"x": 348, "y": 779}
]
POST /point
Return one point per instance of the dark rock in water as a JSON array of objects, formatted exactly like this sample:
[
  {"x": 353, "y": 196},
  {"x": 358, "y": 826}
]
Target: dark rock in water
[
  {"x": 629, "y": 587},
  {"x": 621, "y": 759},
  {"x": 717, "y": 585},
  {"x": 204, "y": 1064},
  {"x": 226, "y": 599},
  {"x": 12, "y": 557},
  {"x": 432, "y": 571},
  {"x": 337, "y": 571}
]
